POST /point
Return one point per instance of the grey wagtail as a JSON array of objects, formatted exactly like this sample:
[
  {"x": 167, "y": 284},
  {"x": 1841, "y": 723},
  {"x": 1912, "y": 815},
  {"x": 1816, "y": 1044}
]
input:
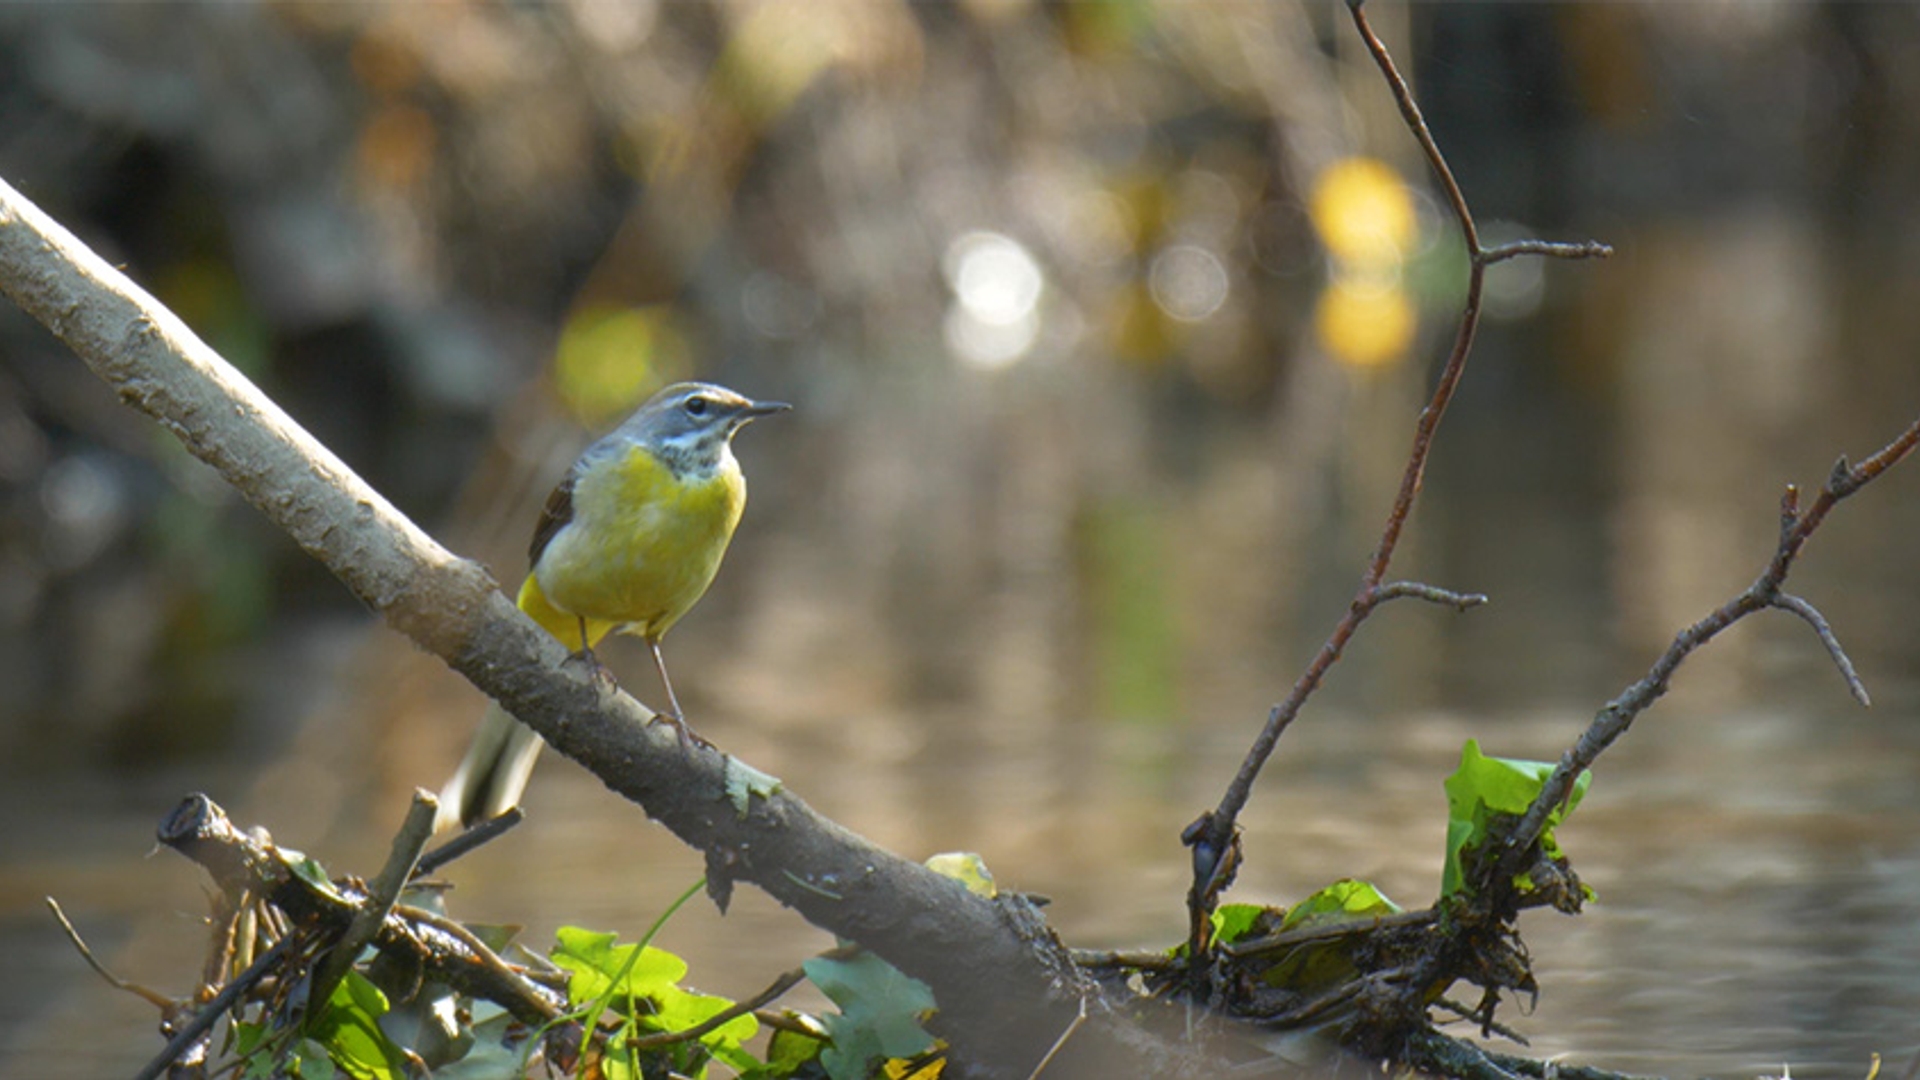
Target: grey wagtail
[{"x": 628, "y": 542}]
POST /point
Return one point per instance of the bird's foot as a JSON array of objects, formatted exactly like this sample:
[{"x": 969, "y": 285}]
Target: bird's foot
[
  {"x": 601, "y": 675},
  {"x": 680, "y": 728}
]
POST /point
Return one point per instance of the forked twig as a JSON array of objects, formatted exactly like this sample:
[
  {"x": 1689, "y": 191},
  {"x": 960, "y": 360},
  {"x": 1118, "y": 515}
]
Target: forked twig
[
  {"x": 1797, "y": 526},
  {"x": 1214, "y": 836}
]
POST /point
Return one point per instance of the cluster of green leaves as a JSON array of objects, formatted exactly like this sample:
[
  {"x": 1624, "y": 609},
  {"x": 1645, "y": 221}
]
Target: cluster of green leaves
[
  {"x": 1483, "y": 792},
  {"x": 343, "y": 1038},
  {"x": 640, "y": 985},
  {"x": 1312, "y": 965},
  {"x": 631, "y": 994},
  {"x": 1486, "y": 790}
]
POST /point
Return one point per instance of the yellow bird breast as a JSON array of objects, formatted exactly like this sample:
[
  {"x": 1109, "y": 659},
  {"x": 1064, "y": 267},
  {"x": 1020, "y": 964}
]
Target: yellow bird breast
[{"x": 643, "y": 544}]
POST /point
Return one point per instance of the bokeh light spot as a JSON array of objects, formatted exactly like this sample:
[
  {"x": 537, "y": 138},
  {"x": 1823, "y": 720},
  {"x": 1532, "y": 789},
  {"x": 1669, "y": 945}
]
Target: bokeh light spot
[
  {"x": 988, "y": 344},
  {"x": 1363, "y": 212},
  {"x": 993, "y": 277},
  {"x": 608, "y": 359},
  {"x": 1187, "y": 282},
  {"x": 1365, "y": 323},
  {"x": 996, "y": 283}
]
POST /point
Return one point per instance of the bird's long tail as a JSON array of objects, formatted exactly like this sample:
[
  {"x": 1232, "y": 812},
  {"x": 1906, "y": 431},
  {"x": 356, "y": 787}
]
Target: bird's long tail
[{"x": 493, "y": 775}]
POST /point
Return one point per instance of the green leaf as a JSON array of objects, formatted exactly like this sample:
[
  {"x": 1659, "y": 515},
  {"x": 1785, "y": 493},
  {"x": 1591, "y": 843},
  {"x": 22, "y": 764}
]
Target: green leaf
[
  {"x": 308, "y": 870},
  {"x": 621, "y": 1061},
  {"x": 601, "y": 969},
  {"x": 500, "y": 1048},
  {"x": 880, "y": 1012},
  {"x": 680, "y": 1009},
  {"x": 349, "y": 1028},
  {"x": 247, "y": 1037},
  {"x": 252, "y": 1045},
  {"x": 1316, "y": 965},
  {"x": 311, "y": 1061},
  {"x": 1231, "y": 922},
  {"x": 735, "y": 1057},
  {"x": 787, "y": 1052},
  {"x": 1342, "y": 901},
  {"x": 1482, "y": 790}
]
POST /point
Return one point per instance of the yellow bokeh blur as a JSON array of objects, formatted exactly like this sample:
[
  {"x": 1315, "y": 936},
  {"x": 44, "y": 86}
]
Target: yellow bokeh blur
[
  {"x": 1365, "y": 323},
  {"x": 610, "y": 358},
  {"x": 1363, "y": 212}
]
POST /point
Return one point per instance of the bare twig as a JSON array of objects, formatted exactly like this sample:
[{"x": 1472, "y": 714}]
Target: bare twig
[
  {"x": 466, "y": 841},
  {"x": 1446, "y": 1056},
  {"x": 152, "y": 997},
  {"x": 1247, "y": 947},
  {"x": 1394, "y": 590},
  {"x": 774, "y": 991},
  {"x": 210, "y": 1013},
  {"x": 1797, "y": 526},
  {"x": 1144, "y": 960},
  {"x": 1214, "y": 836},
  {"x": 240, "y": 862},
  {"x": 1054, "y": 1050},
  {"x": 1479, "y": 1016},
  {"x": 382, "y": 892},
  {"x": 1584, "y": 249},
  {"x": 1812, "y": 617},
  {"x": 498, "y": 970}
]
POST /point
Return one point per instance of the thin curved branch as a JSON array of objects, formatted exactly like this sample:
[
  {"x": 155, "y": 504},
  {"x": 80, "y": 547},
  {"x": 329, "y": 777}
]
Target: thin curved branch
[
  {"x": 151, "y": 996},
  {"x": 1214, "y": 835},
  {"x": 1824, "y": 631},
  {"x": 1797, "y": 526}
]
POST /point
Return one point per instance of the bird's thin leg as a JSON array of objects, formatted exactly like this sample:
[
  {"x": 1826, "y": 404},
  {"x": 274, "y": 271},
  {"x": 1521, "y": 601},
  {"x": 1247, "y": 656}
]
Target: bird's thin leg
[
  {"x": 674, "y": 716},
  {"x": 594, "y": 666}
]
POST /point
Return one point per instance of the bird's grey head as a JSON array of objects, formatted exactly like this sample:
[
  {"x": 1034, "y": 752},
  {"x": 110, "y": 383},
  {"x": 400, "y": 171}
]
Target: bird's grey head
[{"x": 688, "y": 425}]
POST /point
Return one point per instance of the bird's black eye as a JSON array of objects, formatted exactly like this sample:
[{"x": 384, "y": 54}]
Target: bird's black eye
[{"x": 696, "y": 406}]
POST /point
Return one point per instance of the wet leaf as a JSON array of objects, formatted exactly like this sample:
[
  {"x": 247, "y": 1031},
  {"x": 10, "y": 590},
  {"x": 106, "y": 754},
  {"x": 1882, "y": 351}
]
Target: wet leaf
[
  {"x": 1485, "y": 788},
  {"x": 880, "y": 1013},
  {"x": 600, "y": 969},
  {"x": 349, "y": 1028}
]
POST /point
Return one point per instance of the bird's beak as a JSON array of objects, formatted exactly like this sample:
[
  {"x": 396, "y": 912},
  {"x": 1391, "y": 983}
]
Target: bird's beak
[{"x": 758, "y": 409}]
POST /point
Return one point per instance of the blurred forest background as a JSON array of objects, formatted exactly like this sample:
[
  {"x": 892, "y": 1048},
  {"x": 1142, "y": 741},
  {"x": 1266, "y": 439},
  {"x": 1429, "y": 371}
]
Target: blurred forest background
[{"x": 1106, "y": 325}]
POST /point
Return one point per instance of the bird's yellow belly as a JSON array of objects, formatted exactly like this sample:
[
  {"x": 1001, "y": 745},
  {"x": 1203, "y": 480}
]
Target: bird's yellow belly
[{"x": 641, "y": 549}]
